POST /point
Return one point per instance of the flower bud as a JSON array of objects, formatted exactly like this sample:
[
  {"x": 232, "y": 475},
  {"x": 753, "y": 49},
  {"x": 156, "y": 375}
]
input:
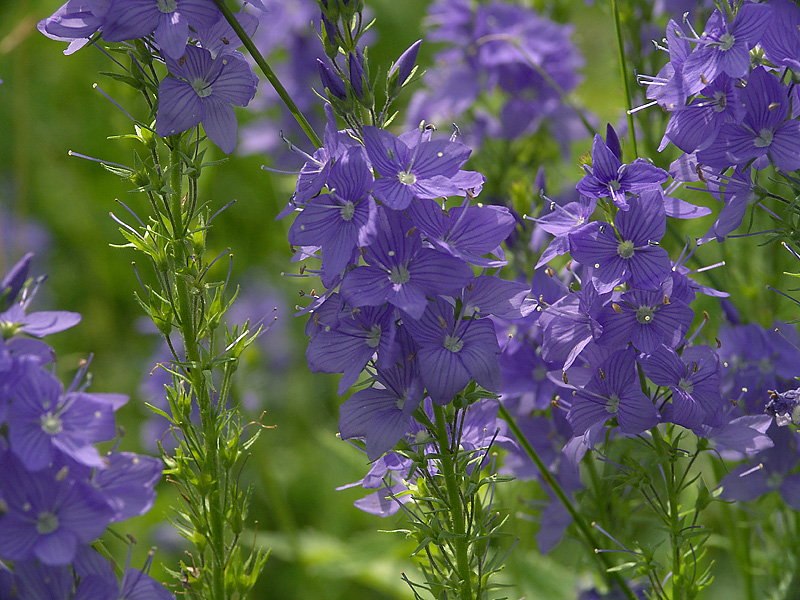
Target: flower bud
[
  {"x": 331, "y": 82},
  {"x": 402, "y": 70}
]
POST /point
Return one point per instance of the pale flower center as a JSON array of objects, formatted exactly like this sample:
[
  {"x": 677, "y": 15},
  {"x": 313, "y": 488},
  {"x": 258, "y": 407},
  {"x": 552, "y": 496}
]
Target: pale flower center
[
  {"x": 407, "y": 178},
  {"x": 374, "y": 336},
  {"x": 764, "y": 139},
  {"x": 726, "y": 41},
  {"x": 51, "y": 424},
  {"x": 612, "y": 405},
  {"x": 399, "y": 275},
  {"x": 686, "y": 386},
  {"x": 626, "y": 249},
  {"x": 539, "y": 373},
  {"x": 348, "y": 210},
  {"x": 644, "y": 314},
  {"x": 201, "y": 87},
  {"x": 167, "y": 6},
  {"x": 453, "y": 343},
  {"x": 46, "y": 522}
]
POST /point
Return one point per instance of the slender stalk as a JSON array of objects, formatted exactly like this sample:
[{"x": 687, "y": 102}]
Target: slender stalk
[
  {"x": 457, "y": 516},
  {"x": 624, "y": 73},
  {"x": 583, "y": 527},
  {"x": 210, "y": 466},
  {"x": 269, "y": 74}
]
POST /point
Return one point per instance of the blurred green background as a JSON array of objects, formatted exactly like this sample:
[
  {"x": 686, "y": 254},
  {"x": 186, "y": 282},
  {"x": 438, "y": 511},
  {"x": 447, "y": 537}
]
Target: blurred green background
[{"x": 322, "y": 546}]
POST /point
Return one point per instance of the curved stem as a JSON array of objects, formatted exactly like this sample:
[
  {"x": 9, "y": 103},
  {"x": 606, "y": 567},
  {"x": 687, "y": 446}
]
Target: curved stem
[
  {"x": 583, "y": 527},
  {"x": 269, "y": 74}
]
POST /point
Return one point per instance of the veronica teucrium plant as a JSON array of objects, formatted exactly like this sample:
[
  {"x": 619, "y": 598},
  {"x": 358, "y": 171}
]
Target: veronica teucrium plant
[
  {"x": 571, "y": 345},
  {"x": 182, "y": 57}
]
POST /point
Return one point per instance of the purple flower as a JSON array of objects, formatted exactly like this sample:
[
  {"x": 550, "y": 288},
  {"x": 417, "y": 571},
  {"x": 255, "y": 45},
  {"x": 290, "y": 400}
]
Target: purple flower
[
  {"x": 693, "y": 378},
  {"x": 203, "y": 90},
  {"x": 220, "y": 38},
  {"x": 629, "y": 253},
  {"x": 44, "y": 421},
  {"x": 41, "y": 581},
  {"x": 401, "y": 70},
  {"x": 401, "y": 271},
  {"x": 646, "y": 319},
  {"x": 168, "y": 20},
  {"x": 349, "y": 345},
  {"x": 466, "y": 232},
  {"x": 75, "y": 22},
  {"x": 569, "y": 324},
  {"x": 453, "y": 352},
  {"x": 128, "y": 483},
  {"x": 667, "y": 87},
  {"x": 487, "y": 295},
  {"x": 766, "y": 129},
  {"x": 781, "y": 40},
  {"x": 382, "y": 413},
  {"x": 47, "y": 515},
  {"x": 560, "y": 222},
  {"x": 342, "y": 220},
  {"x": 613, "y": 392},
  {"x": 784, "y": 407},
  {"x": 725, "y": 48},
  {"x": 696, "y": 126},
  {"x": 12, "y": 282},
  {"x": 315, "y": 171},
  {"x": 609, "y": 177},
  {"x": 423, "y": 170},
  {"x": 748, "y": 482}
]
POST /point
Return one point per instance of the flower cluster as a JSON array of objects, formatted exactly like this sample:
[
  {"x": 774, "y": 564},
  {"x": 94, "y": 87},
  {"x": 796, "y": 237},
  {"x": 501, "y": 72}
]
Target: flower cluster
[
  {"x": 402, "y": 300},
  {"x": 58, "y": 492},
  {"x": 500, "y": 48},
  {"x": 732, "y": 116},
  {"x": 588, "y": 351},
  {"x": 207, "y": 76}
]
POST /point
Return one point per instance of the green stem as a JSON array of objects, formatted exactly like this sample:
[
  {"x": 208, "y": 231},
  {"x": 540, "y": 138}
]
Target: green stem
[
  {"x": 269, "y": 74},
  {"x": 209, "y": 467},
  {"x": 624, "y": 73},
  {"x": 675, "y": 527},
  {"x": 583, "y": 527},
  {"x": 457, "y": 516}
]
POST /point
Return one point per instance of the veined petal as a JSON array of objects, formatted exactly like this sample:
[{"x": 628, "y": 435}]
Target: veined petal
[
  {"x": 443, "y": 373},
  {"x": 179, "y": 107},
  {"x": 365, "y": 286},
  {"x": 219, "y": 123},
  {"x": 236, "y": 83},
  {"x": 172, "y": 33},
  {"x": 392, "y": 192},
  {"x": 130, "y": 20},
  {"x": 388, "y": 154},
  {"x": 199, "y": 13},
  {"x": 785, "y": 147},
  {"x": 605, "y": 164},
  {"x": 438, "y": 157}
]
